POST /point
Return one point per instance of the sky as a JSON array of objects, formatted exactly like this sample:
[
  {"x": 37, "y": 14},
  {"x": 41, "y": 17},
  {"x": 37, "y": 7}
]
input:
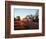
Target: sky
[{"x": 22, "y": 12}]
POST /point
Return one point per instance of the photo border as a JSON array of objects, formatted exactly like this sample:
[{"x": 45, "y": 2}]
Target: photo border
[
  {"x": 26, "y": 31},
  {"x": 8, "y": 19}
]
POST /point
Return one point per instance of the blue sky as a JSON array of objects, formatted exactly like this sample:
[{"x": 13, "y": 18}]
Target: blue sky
[{"x": 23, "y": 11}]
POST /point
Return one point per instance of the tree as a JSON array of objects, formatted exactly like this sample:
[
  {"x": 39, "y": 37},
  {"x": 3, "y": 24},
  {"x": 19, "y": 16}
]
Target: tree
[{"x": 18, "y": 18}]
